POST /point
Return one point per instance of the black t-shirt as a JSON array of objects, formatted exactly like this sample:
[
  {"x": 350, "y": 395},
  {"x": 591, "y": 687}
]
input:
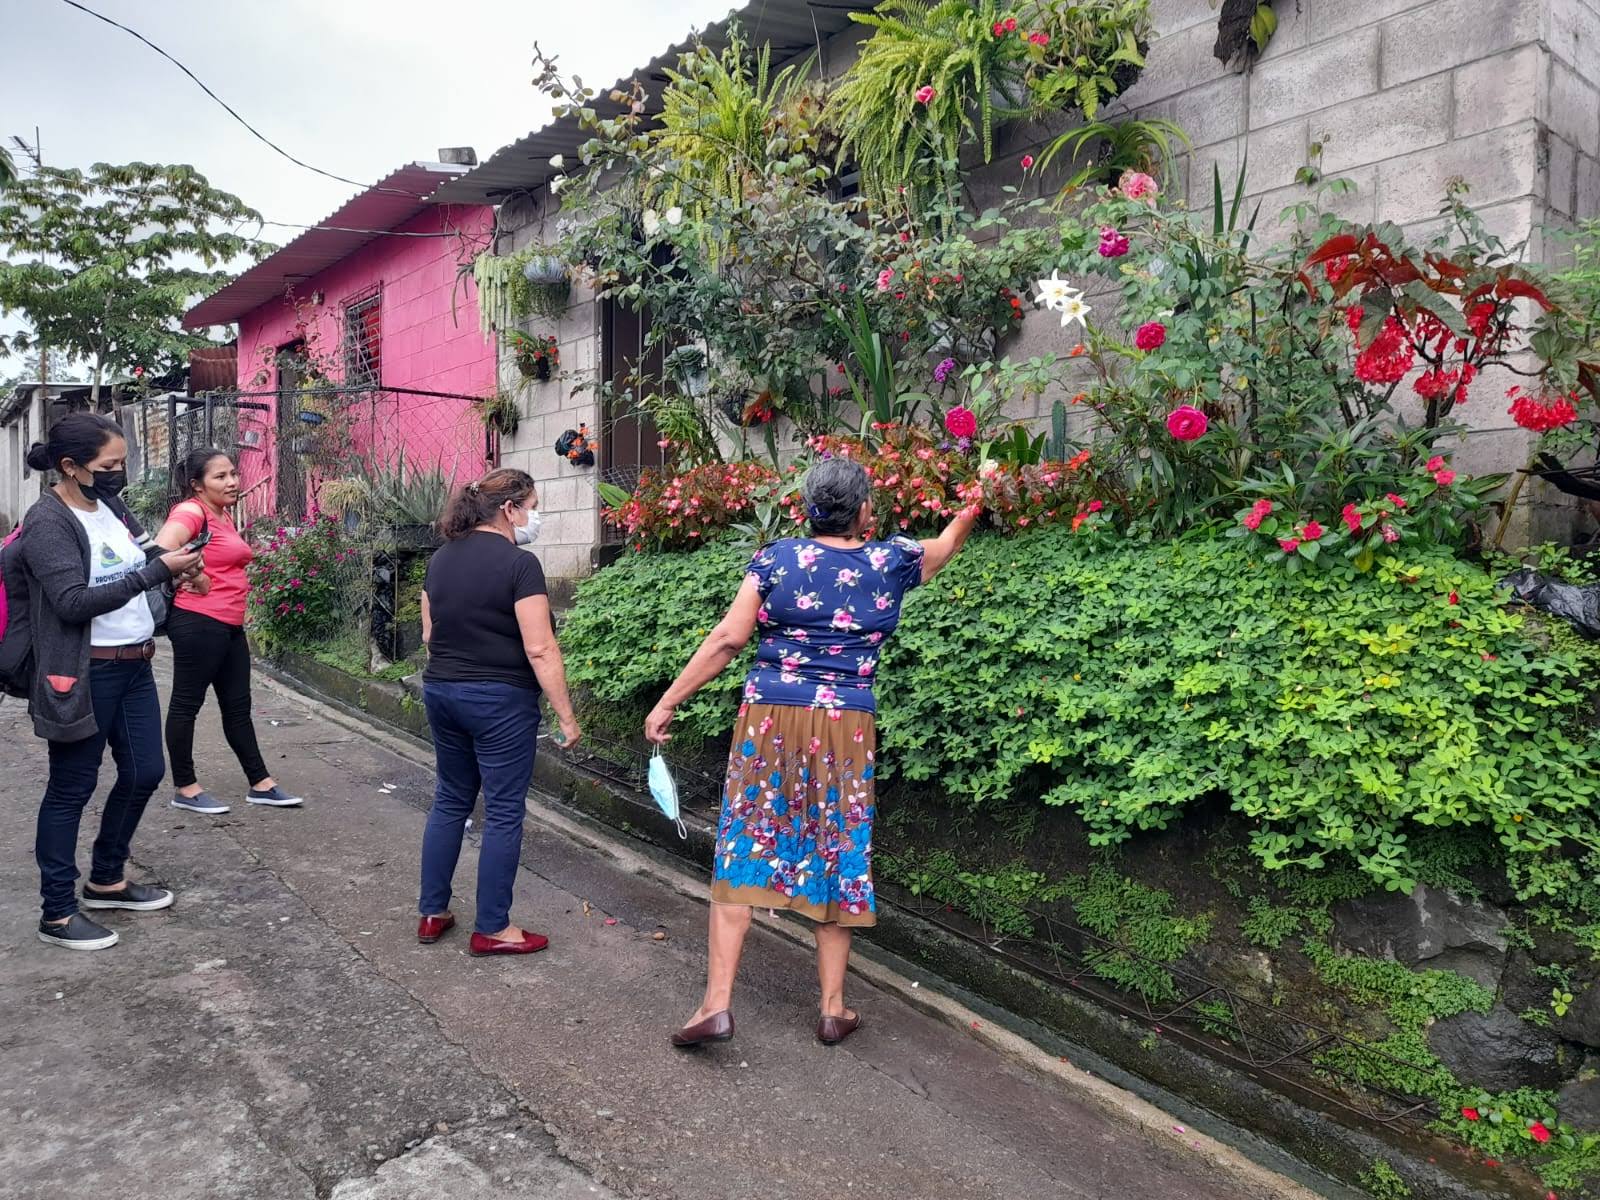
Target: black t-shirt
[{"x": 473, "y": 585}]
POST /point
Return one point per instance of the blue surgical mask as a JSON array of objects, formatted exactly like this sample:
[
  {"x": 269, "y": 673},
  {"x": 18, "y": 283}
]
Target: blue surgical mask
[{"x": 665, "y": 791}]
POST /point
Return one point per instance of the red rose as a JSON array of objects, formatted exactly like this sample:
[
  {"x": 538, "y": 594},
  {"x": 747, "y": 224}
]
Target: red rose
[
  {"x": 1539, "y": 1132},
  {"x": 1186, "y": 423},
  {"x": 1150, "y": 336},
  {"x": 1470, "y": 1114},
  {"x": 961, "y": 422}
]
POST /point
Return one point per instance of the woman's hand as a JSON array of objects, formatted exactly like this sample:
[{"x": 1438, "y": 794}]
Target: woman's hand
[
  {"x": 179, "y": 562},
  {"x": 657, "y": 724},
  {"x": 199, "y": 583},
  {"x": 571, "y": 735}
]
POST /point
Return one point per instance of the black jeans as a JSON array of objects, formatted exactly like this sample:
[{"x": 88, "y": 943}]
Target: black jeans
[
  {"x": 208, "y": 653},
  {"x": 127, "y": 714}
]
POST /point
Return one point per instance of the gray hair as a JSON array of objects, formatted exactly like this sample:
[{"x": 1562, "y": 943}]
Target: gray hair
[{"x": 834, "y": 491}]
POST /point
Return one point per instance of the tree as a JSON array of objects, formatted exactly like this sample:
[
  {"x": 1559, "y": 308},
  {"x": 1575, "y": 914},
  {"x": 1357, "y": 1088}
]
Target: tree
[{"x": 103, "y": 264}]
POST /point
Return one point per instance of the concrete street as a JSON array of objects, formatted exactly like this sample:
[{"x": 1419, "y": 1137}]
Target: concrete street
[{"x": 280, "y": 1034}]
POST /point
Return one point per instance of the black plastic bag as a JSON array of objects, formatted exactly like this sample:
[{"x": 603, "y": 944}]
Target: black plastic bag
[{"x": 1578, "y": 606}]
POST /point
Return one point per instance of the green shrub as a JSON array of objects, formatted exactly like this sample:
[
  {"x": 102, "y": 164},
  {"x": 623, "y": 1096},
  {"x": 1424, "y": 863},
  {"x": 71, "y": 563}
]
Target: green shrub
[
  {"x": 634, "y": 627},
  {"x": 1340, "y": 713},
  {"x": 1344, "y": 714}
]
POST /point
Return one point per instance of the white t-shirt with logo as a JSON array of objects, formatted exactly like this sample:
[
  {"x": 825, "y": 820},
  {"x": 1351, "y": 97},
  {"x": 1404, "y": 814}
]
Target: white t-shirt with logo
[{"x": 112, "y": 554}]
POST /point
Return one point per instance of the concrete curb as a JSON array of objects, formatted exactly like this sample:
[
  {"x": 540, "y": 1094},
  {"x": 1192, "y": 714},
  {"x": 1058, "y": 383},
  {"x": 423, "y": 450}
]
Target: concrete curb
[{"x": 1256, "y": 1181}]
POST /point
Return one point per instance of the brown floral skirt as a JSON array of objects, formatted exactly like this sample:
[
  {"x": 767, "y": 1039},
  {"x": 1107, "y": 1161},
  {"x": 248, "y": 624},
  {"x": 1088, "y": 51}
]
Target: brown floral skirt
[{"x": 797, "y": 811}]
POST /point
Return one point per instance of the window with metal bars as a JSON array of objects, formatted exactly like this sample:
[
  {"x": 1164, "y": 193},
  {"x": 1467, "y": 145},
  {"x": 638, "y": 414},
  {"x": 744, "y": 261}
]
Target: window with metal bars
[{"x": 363, "y": 342}]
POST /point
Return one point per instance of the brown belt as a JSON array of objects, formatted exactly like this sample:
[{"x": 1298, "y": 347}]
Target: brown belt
[{"x": 142, "y": 652}]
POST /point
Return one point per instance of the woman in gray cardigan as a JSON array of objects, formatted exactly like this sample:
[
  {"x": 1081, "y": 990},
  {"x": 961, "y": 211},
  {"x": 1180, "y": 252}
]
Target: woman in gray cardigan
[{"x": 76, "y": 579}]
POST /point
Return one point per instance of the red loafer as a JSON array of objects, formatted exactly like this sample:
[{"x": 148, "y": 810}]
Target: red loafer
[
  {"x": 833, "y": 1030},
  {"x": 431, "y": 929},
  {"x": 483, "y": 945},
  {"x": 718, "y": 1027}
]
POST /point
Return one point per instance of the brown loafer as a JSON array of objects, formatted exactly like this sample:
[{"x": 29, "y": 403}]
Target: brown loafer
[
  {"x": 833, "y": 1030},
  {"x": 718, "y": 1027},
  {"x": 431, "y": 929}
]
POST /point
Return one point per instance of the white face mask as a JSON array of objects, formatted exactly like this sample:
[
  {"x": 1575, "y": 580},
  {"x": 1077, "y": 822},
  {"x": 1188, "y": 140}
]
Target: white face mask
[{"x": 528, "y": 532}]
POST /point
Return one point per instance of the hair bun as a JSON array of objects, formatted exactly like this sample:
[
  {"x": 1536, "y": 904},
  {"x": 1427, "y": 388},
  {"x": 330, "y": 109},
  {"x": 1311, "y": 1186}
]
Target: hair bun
[{"x": 38, "y": 457}]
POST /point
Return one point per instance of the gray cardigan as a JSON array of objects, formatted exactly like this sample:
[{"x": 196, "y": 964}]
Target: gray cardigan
[{"x": 51, "y": 607}]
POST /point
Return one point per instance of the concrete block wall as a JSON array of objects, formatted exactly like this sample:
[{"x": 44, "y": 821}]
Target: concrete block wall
[
  {"x": 567, "y": 495},
  {"x": 1397, "y": 97}
]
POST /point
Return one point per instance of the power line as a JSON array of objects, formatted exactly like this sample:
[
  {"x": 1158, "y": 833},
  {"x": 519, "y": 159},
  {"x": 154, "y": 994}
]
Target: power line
[{"x": 232, "y": 112}]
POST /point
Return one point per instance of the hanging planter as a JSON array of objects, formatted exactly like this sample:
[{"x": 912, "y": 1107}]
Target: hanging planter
[
  {"x": 537, "y": 357},
  {"x": 574, "y": 446},
  {"x": 544, "y": 269},
  {"x": 500, "y": 414}
]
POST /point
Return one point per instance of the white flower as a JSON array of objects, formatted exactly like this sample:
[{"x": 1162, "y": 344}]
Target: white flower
[
  {"x": 1055, "y": 291},
  {"x": 674, "y": 215},
  {"x": 557, "y": 161},
  {"x": 652, "y": 222},
  {"x": 557, "y": 182},
  {"x": 1074, "y": 309}
]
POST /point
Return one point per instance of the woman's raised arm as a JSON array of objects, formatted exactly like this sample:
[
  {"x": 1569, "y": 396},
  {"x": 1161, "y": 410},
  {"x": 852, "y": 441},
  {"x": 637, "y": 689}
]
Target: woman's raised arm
[{"x": 722, "y": 645}]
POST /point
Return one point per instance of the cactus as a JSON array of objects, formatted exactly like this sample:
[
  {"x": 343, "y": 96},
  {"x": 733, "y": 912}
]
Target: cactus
[{"x": 1058, "y": 431}]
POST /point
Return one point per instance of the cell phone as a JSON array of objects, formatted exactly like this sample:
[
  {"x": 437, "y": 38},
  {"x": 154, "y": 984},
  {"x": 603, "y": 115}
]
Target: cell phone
[{"x": 199, "y": 541}]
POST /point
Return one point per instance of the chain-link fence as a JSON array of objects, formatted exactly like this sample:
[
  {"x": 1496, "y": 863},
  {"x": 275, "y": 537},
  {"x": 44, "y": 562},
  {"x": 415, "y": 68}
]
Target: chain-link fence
[{"x": 367, "y": 473}]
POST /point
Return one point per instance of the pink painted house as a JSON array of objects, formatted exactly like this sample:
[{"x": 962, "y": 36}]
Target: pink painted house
[{"x": 359, "y": 346}]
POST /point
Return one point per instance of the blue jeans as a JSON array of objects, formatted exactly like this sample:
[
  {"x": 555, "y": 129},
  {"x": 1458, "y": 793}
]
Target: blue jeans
[
  {"x": 127, "y": 714},
  {"x": 483, "y": 737}
]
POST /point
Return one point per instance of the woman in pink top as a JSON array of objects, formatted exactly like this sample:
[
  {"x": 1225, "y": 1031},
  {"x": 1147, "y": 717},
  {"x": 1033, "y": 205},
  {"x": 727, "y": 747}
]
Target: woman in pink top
[{"x": 206, "y": 627}]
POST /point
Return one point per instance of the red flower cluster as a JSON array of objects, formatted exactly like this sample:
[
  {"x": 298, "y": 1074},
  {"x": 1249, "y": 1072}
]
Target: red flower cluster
[
  {"x": 1390, "y": 354},
  {"x": 683, "y": 510},
  {"x": 1259, "y": 512},
  {"x": 1541, "y": 413}
]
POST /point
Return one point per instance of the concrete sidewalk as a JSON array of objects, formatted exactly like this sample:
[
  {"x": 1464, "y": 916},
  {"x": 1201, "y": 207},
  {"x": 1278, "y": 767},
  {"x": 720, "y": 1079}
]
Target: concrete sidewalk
[{"x": 280, "y": 1033}]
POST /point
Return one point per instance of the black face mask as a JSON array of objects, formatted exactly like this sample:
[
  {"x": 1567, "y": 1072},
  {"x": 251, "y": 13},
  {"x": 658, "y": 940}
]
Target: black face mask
[{"x": 107, "y": 485}]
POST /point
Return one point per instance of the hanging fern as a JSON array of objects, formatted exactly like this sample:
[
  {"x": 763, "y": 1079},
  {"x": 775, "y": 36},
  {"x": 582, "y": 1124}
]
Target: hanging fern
[
  {"x": 949, "y": 47},
  {"x": 719, "y": 117},
  {"x": 985, "y": 62}
]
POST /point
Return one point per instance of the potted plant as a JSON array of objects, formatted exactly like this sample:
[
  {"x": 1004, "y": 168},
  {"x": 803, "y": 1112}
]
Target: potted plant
[
  {"x": 537, "y": 357},
  {"x": 575, "y": 446},
  {"x": 500, "y": 413}
]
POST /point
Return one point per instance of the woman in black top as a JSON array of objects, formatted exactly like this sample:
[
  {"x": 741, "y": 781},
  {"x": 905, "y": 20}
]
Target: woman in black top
[{"x": 491, "y": 649}]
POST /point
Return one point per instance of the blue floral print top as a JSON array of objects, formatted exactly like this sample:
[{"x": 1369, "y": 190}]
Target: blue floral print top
[{"x": 824, "y": 618}]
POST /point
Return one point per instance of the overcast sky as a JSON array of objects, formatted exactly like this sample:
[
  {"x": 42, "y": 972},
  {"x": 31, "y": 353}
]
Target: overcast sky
[{"x": 356, "y": 87}]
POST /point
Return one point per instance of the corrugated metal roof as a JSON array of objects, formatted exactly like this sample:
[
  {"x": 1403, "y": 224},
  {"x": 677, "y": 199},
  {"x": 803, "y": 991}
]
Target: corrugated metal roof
[
  {"x": 212, "y": 367},
  {"x": 388, "y": 203},
  {"x": 792, "y": 27}
]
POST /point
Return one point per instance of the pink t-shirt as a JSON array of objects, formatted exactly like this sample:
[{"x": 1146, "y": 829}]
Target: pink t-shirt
[{"x": 226, "y": 557}]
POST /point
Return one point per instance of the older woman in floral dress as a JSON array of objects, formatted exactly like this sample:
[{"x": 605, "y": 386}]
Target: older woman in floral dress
[{"x": 797, "y": 806}]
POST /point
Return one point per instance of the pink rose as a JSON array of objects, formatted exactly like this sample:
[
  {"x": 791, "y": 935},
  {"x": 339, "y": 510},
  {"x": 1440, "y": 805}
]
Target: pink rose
[
  {"x": 885, "y": 279},
  {"x": 1136, "y": 185},
  {"x": 1186, "y": 423},
  {"x": 1027, "y": 162},
  {"x": 961, "y": 422},
  {"x": 925, "y": 93}
]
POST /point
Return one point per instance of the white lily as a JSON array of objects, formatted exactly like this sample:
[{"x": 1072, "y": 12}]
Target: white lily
[
  {"x": 1074, "y": 309},
  {"x": 674, "y": 215},
  {"x": 557, "y": 182},
  {"x": 557, "y": 161},
  {"x": 652, "y": 222},
  {"x": 1055, "y": 291}
]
